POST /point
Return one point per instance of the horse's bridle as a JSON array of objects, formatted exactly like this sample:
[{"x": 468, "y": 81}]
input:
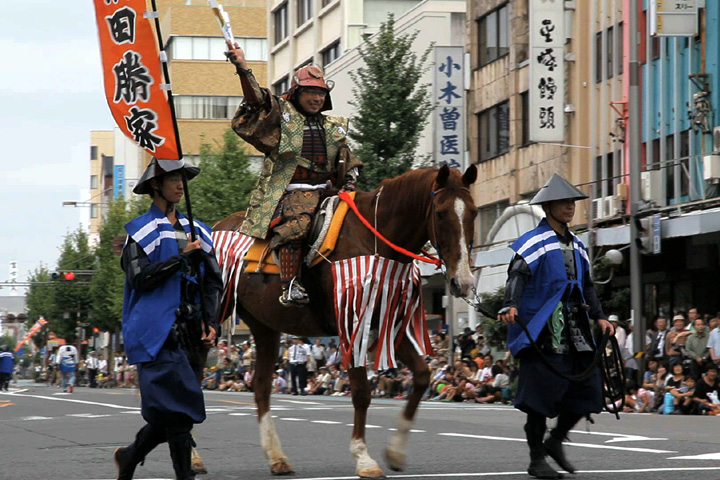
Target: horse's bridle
[{"x": 430, "y": 215}]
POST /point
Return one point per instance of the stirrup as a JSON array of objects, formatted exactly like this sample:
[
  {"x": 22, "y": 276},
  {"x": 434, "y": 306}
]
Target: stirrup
[{"x": 294, "y": 294}]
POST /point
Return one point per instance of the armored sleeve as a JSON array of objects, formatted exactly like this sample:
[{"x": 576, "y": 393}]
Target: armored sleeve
[
  {"x": 596, "y": 311},
  {"x": 518, "y": 275},
  {"x": 212, "y": 290},
  {"x": 257, "y": 119},
  {"x": 142, "y": 274}
]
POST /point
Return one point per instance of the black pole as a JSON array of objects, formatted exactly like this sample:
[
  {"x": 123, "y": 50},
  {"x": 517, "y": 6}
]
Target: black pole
[{"x": 166, "y": 74}]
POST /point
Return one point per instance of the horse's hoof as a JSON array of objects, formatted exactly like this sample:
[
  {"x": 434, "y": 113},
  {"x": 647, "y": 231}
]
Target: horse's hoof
[
  {"x": 198, "y": 467},
  {"x": 371, "y": 472},
  {"x": 282, "y": 467},
  {"x": 395, "y": 460}
]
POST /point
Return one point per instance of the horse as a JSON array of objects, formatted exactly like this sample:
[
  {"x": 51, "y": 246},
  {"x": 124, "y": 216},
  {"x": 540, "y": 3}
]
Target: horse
[{"x": 427, "y": 204}]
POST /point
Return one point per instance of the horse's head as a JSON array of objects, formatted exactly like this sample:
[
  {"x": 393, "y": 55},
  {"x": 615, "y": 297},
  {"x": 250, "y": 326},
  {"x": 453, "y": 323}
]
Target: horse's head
[{"x": 452, "y": 225}]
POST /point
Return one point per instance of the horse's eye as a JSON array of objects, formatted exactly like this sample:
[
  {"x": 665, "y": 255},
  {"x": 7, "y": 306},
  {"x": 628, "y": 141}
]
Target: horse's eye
[{"x": 441, "y": 214}]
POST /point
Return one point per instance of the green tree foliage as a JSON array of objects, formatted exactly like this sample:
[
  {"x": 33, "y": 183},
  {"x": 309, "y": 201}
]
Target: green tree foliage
[
  {"x": 225, "y": 181},
  {"x": 107, "y": 285},
  {"x": 494, "y": 331},
  {"x": 40, "y": 300},
  {"x": 8, "y": 340},
  {"x": 392, "y": 107},
  {"x": 71, "y": 300}
]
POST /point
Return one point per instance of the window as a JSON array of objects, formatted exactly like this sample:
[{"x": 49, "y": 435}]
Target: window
[
  {"x": 93, "y": 152},
  {"x": 494, "y": 131},
  {"x": 610, "y": 50},
  {"x": 281, "y": 24},
  {"x": 331, "y": 53},
  {"x": 206, "y": 107},
  {"x": 620, "y": 43},
  {"x": 655, "y": 48},
  {"x": 94, "y": 210},
  {"x": 93, "y": 182},
  {"x": 304, "y": 11},
  {"x": 525, "y": 105},
  {"x": 598, "y": 57},
  {"x": 608, "y": 179},
  {"x": 281, "y": 86},
  {"x": 213, "y": 48},
  {"x": 487, "y": 216},
  {"x": 610, "y": 53},
  {"x": 493, "y": 36}
]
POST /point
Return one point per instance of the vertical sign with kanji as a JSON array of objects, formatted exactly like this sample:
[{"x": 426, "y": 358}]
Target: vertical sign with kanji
[
  {"x": 449, "y": 113},
  {"x": 547, "y": 71},
  {"x": 133, "y": 76}
]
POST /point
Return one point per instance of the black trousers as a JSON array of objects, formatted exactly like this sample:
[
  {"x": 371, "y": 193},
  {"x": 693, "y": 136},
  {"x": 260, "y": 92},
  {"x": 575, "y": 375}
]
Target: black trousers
[
  {"x": 298, "y": 375},
  {"x": 92, "y": 373}
]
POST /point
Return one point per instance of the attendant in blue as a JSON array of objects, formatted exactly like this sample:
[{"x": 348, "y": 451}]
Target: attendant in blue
[
  {"x": 549, "y": 288},
  {"x": 172, "y": 293},
  {"x": 6, "y": 367}
]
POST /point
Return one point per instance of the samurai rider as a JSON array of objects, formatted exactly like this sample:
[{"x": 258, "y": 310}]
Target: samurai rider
[
  {"x": 172, "y": 293},
  {"x": 549, "y": 288},
  {"x": 305, "y": 152}
]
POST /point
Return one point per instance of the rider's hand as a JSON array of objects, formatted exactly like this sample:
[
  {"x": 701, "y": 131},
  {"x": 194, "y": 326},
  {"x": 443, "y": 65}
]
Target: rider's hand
[
  {"x": 192, "y": 246},
  {"x": 237, "y": 57},
  {"x": 507, "y": 315},
  {"x": 606, "y": 326},
  {"x": 209, "y": 338}
]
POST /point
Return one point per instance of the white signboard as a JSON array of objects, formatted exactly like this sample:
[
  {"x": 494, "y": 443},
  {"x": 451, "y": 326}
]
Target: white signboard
[
  {"x": 449, "y": 113},
  {"x": 547, "y": 71},
  {"x": 676, "y": 18}
]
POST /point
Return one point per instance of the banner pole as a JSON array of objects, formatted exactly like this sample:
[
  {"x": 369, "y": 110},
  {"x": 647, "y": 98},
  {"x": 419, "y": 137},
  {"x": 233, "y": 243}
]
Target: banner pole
[{"x": 166, "y": 74}]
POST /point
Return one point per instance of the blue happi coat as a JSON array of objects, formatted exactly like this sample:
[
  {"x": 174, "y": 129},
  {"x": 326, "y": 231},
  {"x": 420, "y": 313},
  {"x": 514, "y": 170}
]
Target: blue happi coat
[
  {"x": 148, "y": 315},
  {"x": 540, "y": 248},
  {"x": 6, "y": 362}
]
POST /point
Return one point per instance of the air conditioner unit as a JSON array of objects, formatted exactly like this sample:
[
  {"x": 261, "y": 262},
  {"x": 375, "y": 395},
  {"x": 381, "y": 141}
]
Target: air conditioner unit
[
  {"x": 597, "y": 208},
  {"x": 651, "y": 184},
  {"x": 611, "y": 206},
  {"x": 711, "y": 166},
  {"x": 716, "y": 139}
]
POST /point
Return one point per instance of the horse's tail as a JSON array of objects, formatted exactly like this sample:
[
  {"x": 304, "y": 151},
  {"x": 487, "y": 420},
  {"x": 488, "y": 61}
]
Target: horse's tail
[{"x": 230, "y": 248}]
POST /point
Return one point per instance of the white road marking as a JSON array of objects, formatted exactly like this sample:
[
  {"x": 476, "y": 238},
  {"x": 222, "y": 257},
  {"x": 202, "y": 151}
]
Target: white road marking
[
  {"x": 86, "y": 415},
  {"x": 240, "y": 414},
  {"x": 618, "y": 437},
  {"x": 217, "y": 410},
  {"x": 317, "y": 408},
  {"x": 85, "y": 402},
  {"x": 301, "y": 402},
  {"x": 326, "y": 422},
  {"x": 571, "y": 444},
  {"x": 35, "y": 418},
  {"x": 411, "y": 430},
  {"x": 290, "y": 419},
  {"x": 704, "y": 456},
  {"x": 366, "y": 426},
  {"x": 522, "y": 474}
]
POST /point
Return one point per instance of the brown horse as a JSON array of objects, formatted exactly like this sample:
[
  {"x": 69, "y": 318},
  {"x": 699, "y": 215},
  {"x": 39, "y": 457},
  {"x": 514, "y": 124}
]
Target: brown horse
[{"x": 420, "y": 205}]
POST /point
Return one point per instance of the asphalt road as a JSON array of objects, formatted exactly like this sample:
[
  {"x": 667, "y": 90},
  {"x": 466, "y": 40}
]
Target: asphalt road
[{"x": 45, "y": 434}]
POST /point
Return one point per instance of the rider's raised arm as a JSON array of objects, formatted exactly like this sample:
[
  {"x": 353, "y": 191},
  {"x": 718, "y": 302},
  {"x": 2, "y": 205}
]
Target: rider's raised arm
[{"x": 257, "y": 120}]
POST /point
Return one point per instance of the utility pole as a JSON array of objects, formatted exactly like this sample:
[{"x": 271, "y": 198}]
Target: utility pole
[{"x": 636, "y": 287}]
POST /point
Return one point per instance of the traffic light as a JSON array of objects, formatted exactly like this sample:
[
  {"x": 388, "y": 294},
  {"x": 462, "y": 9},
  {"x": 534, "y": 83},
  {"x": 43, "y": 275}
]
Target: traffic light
[
  {"x": 642, "y": 240},
  {"x": 63, "y": 275},
  {"x": 69, "y": 276}
]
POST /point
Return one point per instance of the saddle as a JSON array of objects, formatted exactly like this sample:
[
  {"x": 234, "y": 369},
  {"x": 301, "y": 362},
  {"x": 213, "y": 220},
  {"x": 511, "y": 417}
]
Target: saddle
[{"x": 322, "y": 239}]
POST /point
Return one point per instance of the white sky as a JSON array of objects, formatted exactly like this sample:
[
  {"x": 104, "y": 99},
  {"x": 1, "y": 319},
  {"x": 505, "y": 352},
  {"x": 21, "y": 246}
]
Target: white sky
[{"x": 51, "y": 96}]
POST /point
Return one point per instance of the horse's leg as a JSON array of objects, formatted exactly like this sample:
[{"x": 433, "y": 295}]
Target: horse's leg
[
  {"x": 365, "y": 466},
  {"x": 267, "y": 342},
  {"x": 397, "y": 447}
]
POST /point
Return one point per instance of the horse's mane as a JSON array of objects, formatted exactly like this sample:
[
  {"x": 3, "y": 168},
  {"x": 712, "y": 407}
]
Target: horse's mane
[{"x": 400, "y": 189}]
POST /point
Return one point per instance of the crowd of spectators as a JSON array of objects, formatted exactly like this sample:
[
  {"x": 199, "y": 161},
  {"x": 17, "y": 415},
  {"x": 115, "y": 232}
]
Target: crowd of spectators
[
  {"x": 92, "y": 370},
  {"x": 681, "y": 376}
]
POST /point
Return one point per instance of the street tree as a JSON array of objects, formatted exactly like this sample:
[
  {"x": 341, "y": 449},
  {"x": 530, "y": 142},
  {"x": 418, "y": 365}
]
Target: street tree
[
  {"x": 107, "y": 285},
  {"x": 40, "y": 300},
  {"x": 225, "y": 181},
  {"x": 392, "y": 105},
  {"x": 72, "y": 303}
]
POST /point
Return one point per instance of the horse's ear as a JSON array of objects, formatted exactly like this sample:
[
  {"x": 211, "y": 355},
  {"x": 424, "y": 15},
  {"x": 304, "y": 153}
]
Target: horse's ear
[
  {"x": 470, "y": 175},
  {"x": 442, "y": 176}
]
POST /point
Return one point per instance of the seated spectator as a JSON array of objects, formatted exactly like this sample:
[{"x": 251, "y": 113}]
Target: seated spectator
[
  {"x": 683, "y": 397},
  {"x": 248, "y": 379},
  {"x": 388, "y": 383},
  {"x": 228, "y": 375},
  {"x": 706, "y": 392},
  {"x": 208, "y": 381},
  {"x": 279, "y": 382},
  {"x": 637, "y": 399},
  {"x": 322, "y": 383}
]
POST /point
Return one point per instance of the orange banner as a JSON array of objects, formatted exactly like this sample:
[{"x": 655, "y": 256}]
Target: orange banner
[
  {"x": 35, "y": 328},
  {"x": 133, "y": 76}
]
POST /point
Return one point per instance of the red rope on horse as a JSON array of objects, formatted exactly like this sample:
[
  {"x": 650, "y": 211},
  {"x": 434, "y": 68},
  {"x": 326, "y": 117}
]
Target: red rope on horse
[{"x": 345, "y": 197}]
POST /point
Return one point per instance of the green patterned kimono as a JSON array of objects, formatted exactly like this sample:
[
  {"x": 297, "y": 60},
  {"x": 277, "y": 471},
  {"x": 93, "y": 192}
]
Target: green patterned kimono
[{"x": 276, "y": 128}]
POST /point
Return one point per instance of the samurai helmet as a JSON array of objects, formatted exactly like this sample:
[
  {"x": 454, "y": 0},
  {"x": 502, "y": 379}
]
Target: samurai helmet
[
  {"x": 310, "y": 76},
  {"x": 157, "y": 168},
  {"x": 557, "y": 188}
]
